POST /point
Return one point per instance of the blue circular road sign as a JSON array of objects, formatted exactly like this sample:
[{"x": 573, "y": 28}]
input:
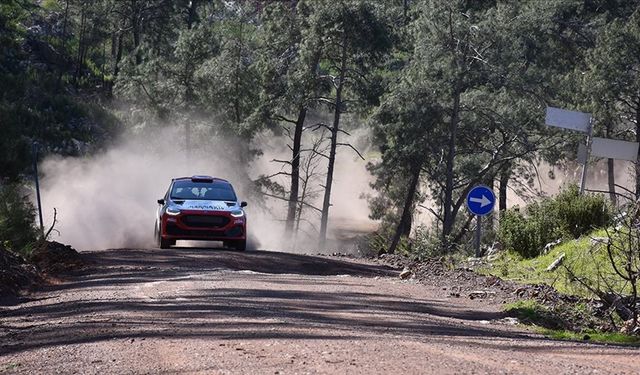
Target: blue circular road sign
[{"x": 480, "y": 200}]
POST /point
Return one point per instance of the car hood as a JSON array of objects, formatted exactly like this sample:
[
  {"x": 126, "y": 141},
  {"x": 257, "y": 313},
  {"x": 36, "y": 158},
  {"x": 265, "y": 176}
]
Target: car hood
[{"x": 204, "y": 205}]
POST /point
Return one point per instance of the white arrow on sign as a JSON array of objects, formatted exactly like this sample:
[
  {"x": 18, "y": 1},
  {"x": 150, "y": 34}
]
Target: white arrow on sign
[{"x": 484, "y": 201}]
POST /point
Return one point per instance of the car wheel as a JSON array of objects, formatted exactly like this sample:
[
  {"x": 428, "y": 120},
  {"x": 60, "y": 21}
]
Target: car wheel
[
  {"x": 165, "y": 244},
  {"x": 156, "y": 234},
  {"x": 161, "y": 242},
  {"x": 240, "y": 245}
]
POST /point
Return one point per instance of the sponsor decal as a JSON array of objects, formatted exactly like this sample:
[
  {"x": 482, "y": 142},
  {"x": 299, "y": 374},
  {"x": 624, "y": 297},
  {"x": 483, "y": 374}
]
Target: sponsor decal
[{"x": 205, "y": 207}]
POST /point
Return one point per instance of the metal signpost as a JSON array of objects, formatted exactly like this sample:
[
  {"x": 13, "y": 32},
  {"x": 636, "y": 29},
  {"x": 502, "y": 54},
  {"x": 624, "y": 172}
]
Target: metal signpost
[
  {"x": 480, "y": 202},
  {"x": 572, "y": 120},
  {"x": 602, "y": 147}
]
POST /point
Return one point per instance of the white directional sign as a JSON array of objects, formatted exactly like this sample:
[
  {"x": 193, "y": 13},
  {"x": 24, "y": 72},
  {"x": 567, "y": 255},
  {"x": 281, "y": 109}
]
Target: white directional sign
[
  {"x": 614, "y": 149},
  {"x": 573, "y": 120}
]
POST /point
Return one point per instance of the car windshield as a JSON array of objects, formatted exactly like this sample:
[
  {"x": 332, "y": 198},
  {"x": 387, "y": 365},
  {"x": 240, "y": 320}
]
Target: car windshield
[{"x": 212, "y": 191}]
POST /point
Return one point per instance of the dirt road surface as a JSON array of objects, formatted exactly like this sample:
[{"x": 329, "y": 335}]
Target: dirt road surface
[{"x": 203, "y": 311}]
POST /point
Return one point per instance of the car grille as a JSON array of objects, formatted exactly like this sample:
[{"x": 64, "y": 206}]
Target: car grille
[
  {"x": 174, "y": 230},
  {"x": 208, "y": 221}
]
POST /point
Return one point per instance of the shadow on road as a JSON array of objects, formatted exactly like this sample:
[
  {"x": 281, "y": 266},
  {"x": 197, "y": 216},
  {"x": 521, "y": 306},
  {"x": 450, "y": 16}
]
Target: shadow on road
[
  {"x": 257, "y": 261},
  {"x": 277, "y": 303}
]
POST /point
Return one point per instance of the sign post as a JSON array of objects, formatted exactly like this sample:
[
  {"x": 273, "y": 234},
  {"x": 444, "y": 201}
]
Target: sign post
[
  {"x": 602, "y": 147},
  {"x": 583, "y": 177},
  {"x": 480, "y": 202},
  {"x": 572, "y": 120}
]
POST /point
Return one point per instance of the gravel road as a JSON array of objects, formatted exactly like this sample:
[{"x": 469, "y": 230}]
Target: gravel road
[{"x": 204, "y": 311}]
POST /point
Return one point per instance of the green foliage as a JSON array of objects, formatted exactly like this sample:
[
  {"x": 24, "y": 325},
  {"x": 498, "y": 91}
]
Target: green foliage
[
  {"x": 586, "y": 261},
  {"x": 579, "y": 214},
  {"x": 551, "y": 321},
  {"x": 592, "y": 336},
  {"x": 568, "y": 215},
  {"x": 529, "y": 311},
  {"x": 456, "y": 90},
  {"x": 35, "y": 103},
  {"x": 17, "y": 231},
  {"x": 375, "y": 243},
  {"x": 426, "y": 244},
  {"x": 516, "y": 232}
]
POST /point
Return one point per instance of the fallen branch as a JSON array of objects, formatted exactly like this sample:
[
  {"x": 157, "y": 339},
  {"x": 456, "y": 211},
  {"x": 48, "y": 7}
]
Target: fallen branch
[
  {"x": 51, "y": 229},
  {"x": 555, "y": 263}
]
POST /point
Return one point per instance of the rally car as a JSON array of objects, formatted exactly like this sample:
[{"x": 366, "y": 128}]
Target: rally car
[{"x": 201, "y": 208}]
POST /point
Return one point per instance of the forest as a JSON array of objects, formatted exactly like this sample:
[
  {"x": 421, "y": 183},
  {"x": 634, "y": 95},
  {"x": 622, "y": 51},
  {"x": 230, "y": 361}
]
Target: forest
[{"x": 452, "y": 94}]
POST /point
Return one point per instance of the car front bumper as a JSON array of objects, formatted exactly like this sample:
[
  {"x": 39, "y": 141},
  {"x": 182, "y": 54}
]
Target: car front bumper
[{"x": 196, "y": 225}]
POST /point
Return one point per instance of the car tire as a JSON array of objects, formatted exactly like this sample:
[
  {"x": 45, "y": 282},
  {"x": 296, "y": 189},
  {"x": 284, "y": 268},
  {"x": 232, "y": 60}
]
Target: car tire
[
  {"x": 165, "y": 244},
  {"x": 240, "y": 245},
  {"x": 161, "y": 242}
]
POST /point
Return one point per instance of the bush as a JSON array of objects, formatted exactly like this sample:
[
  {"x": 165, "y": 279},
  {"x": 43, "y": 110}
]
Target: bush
[
  {"x": 568, "y": 215},
  {"x": 427, "y": 243},
  {"x": 580, "y": 214},
  {"x": 17, "y": 230},
  {"x": 515, "y": 233}
]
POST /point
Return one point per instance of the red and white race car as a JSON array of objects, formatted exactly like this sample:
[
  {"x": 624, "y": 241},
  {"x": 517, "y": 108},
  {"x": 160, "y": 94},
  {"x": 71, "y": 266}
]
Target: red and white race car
[{"x": 201, "y": 208}]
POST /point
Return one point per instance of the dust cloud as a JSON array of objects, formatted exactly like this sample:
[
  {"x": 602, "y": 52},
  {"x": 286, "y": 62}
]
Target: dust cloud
[{"x": 108, "y": 200}]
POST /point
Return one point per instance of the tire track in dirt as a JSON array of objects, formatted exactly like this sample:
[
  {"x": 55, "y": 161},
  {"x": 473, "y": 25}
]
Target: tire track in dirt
[{"x": 209, "y": 311}]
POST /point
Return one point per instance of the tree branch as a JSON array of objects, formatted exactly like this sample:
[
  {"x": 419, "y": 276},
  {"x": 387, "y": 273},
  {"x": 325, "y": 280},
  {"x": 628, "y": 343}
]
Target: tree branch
[{"x": 353, "y": 148}]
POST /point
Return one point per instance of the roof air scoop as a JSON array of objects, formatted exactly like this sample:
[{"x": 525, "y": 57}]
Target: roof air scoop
[{"x": 201, "y": 179}]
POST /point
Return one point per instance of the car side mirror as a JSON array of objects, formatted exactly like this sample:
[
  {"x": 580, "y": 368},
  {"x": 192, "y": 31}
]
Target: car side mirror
[
  {"x": 161, "y": 201},
  {"x": 243, "y": 204}
]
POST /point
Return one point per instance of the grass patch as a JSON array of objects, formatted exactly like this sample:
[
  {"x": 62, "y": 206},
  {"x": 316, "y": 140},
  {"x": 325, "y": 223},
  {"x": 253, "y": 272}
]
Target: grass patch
[
  {"x": 12, "y": 366},
  {"x": 529, "y": 309},
  {"x": 549, "y": 322},
  {"x": 585, "y": 257},
  {"x": 533, "y": 313},
  {"x": 598, "y": 337}
]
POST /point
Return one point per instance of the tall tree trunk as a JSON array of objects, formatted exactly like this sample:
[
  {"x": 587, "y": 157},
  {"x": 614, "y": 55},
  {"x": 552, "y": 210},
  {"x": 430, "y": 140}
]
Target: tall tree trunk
[
  {"x": 64, "y": 39},
  {"x": 407, "y": 210},
  {"x": 192, "y": 14},
  {"x": 236, "y": 99},
  {"x": 117, "y": 51},
  {"x": 505, "y": 175},
  {"x": 187, "y": 142},
  {"x": 334, "y": 143},
  {"x": 103, "y": 67},
  {"x": 295, "y": 159},
  {"x": 611, "y": 176},
  {"x": 490, "y": 183},
  {"x": 295, "y": 170},
  {"x": 81, "y": 42},
  {"x": 637, "y": 162},
  {"x": 136, "y": 18},
  {"x": 405, "y": 11},
  {"x": 448, "y": 219},
  {"x": 408, "y": 224}
]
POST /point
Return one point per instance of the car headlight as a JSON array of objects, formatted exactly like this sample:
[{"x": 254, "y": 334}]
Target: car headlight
[
  {"x": 237, "y": 213},
  {"x": 172, "y": 211}
]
